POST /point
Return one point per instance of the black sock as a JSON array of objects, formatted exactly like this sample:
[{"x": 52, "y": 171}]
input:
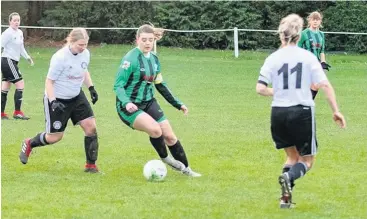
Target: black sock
[
  {"x": 91, "y": 148},
  {"x": 297, "y": 171},
  {"x": 159, "y": 146},
  {"x": 314, "y": 93},
  {"x": 178, "y": 153},
  {"x": 39, "y": 140},
  {"x": 285, "y": 169},
  {"x": 4, "y": 97},
  {"x": 18, "y": 98}
]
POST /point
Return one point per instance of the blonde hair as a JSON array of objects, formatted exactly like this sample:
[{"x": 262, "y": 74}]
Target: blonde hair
[
  {"x": 290, "y": 28},
  {"x": 314, "y": 15},
  {"x": 77, "y": 34},
  {"x": 12, "y": 15}
]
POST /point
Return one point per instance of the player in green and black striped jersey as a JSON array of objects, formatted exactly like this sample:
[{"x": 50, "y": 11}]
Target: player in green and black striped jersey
[
  {"x": 313, "y": 40},
  {"x": 138, "y": 74}
]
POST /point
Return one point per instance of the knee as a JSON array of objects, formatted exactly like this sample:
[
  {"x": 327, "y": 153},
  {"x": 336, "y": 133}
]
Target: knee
[
  {"x": 90, "y": 130},
  {"x": 309, "y": 164},
  {"x": 155, "y": 131},
  {"x": 170, "y": 139},
  {"x": 19, "y": 85}
]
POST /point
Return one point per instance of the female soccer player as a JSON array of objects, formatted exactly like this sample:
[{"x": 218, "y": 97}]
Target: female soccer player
[
  {"x": 138, "y": 74},
  {"x": 13, "y": 44},
  {"x": 65, "y": 100},
  {"x": 313, "y": 40},
  {"x": 291, "y": 70}
]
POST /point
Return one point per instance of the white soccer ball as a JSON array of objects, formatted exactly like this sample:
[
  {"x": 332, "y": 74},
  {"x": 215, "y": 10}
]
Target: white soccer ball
[{"x": 155, "y": 170}]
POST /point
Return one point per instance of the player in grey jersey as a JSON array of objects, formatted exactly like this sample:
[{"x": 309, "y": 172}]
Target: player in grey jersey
[
  {"x": 64, "y": 99},
  {"x": 13, "y": 44},
  {"x": 291, "y": 70}
]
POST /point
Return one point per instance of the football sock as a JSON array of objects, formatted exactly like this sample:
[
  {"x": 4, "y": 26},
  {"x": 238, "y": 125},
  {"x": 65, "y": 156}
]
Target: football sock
[
  {"x": 314, "y": 93},
  {"x": 39, "y": 140},
  {"x": 159, "y": 146},
  {"x": 4, "y": 97},
  {"x": 178, "y": 153},
  {"x": 18, "y": 98},
  {"x": 91, "y": 148},
  {"x": 297, "y": 171},
  {"x": 286, "y": 168}
]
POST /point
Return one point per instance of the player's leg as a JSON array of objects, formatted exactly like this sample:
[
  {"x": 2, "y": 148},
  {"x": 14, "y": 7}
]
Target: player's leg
[
  {"x": 56, "y": 123},
  {"x": 282, "y": 140},
  {"x": 18, "y": 99},
  {"x": 17, "y": 79},
  {"x": 5, "y": 87},
  {"x": 9, "y": 74},
  {"x": 176, "y": 148},
  {"x": 141, "y": 121},
  {"x": 83, "y": 115},
  {"x": 179, "y": 161},
  {"x": 304, "y": 131}
]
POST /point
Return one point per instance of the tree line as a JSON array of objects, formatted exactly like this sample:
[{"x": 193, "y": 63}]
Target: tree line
[{"x": 203, "y": 15}]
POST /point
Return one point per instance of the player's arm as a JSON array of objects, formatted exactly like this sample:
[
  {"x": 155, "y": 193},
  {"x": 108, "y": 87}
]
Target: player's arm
[
  {"x": 264, "y": 80},
  {"x": 87, "y": 78},
  {"x": 320, "y": 81},
  {"x": 5, "y": 37},
  {"x": 24, "y": 53},
  {"x": 126, "y": 68},
  {"x": 322, "y": 52},
  {"x": 163, "y": 89}
]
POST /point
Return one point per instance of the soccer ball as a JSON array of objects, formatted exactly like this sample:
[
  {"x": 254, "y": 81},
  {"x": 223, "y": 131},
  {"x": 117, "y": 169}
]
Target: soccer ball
[{"x": 155, "y": 170}]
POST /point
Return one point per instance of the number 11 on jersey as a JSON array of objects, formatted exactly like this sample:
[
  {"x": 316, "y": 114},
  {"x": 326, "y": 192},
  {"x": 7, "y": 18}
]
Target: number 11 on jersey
[{"x": 284, "y": 69}]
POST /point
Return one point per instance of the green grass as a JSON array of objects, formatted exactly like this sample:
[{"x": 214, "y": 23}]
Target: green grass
[{"x": 226, "y": 136}]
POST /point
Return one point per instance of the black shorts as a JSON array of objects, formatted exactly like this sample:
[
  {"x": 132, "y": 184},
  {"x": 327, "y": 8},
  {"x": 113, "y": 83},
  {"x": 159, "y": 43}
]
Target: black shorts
[
  {"x": 150, "y": 107},
  {"x": 10, "y": 71},
  {"x": 294, "y": 126},
  {"x": 77, "y": 109}
]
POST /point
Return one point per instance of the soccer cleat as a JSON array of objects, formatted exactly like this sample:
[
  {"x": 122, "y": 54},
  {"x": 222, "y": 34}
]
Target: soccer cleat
[
  {"x": 4, "y": 116},
  {"x": 188, "y": 172},
  {"x": 91, "y": 168},
  {"x": 25, "y": 151},
  {"x": 286, "y": 199},
  {"x": 20, "y": 115},
  {"x": 174, "y": 164}
]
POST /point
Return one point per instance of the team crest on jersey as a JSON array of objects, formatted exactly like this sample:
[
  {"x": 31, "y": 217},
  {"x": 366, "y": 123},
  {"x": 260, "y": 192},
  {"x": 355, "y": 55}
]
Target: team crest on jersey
[
  {"x": 125, "y": 65},
  {"x": 57, "y": 125},
  {"x": 84, "y": 65}
]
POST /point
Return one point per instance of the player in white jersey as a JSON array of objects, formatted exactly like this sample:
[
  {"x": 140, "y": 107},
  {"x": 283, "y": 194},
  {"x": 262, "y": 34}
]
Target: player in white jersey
[
  {"x": 13, "y": 44},
  {"x": 291, "y": 71},
  {"x": 64, "y": 99}
]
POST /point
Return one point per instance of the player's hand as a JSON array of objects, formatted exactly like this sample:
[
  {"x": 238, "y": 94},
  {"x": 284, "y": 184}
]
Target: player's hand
[
  {"x": 30, "y": 60},
  {"x": 325, "y": 66},
  {"x": 185, "y": 110},
  {"x": 57, "y": 106},
  {"x": 130, "y": 107},
  {"x": 339, "y": 119},
  {"x": 93, "y": 94}
]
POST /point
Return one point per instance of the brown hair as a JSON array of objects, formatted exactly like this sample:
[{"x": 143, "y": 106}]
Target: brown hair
[
  {"x": 77, "y": 34},
  {"x": 12, "y": 15},
  {"x": 146, "y": 28},
  {"x": 290, "y": 28}
]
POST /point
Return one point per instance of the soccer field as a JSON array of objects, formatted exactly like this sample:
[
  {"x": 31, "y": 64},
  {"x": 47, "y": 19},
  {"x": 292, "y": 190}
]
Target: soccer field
[{"x": 226, "y": 136}]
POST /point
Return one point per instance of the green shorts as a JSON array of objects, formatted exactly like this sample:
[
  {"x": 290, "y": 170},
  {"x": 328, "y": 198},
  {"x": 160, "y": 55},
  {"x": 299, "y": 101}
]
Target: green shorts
[{"x": 150, "y": 107}]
